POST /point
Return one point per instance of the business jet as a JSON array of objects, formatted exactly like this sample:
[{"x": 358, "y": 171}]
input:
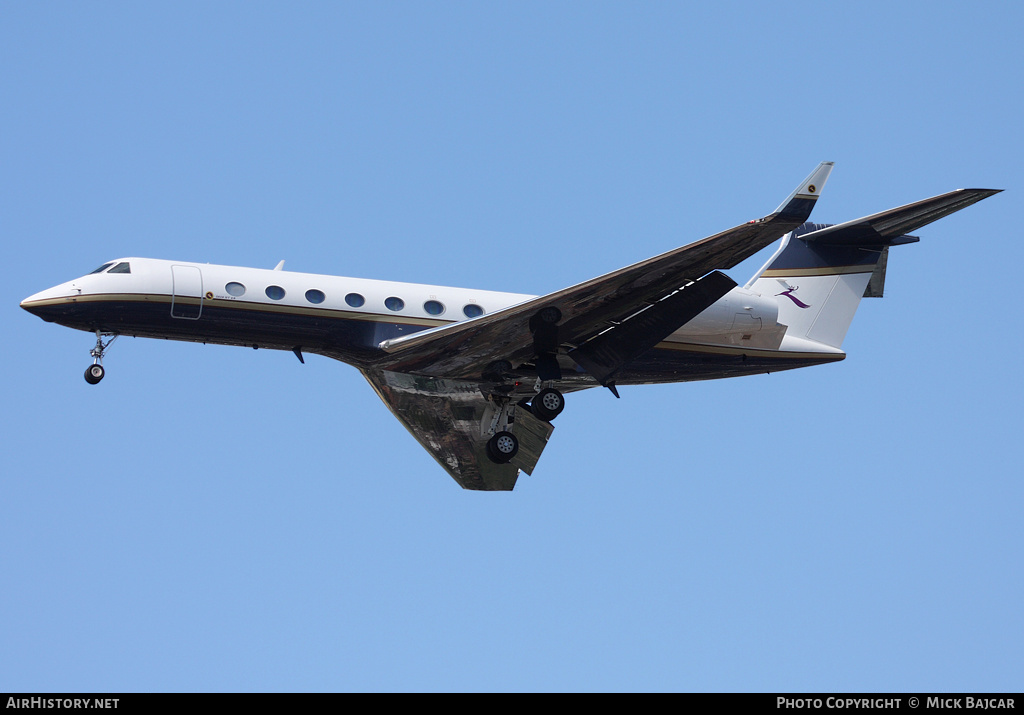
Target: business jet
[{"x": 477, "y": 376}]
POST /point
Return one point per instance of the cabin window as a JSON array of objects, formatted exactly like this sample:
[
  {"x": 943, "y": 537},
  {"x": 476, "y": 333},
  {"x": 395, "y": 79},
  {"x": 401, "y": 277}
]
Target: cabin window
[
  {"x": 433, "y": 307},
  {"x": 472, "y": 310},
  {"x": 235, "y": 289},
  {"x": 394, "y": 303},
  {"x": 121, "y": 268},
  {"x": 315, "y": 296},
  {"x": 102, "y": 268},
  {"x": 355, "y": 300},
  {"x": 275, "y": 292}
]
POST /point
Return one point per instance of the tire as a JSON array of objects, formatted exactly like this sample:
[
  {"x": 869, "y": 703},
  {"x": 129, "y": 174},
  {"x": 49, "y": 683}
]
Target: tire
[
  {"x": 548, "y": 404},
  {"x": 94, "y": 373},
  {"x": 502, "y": 447}
]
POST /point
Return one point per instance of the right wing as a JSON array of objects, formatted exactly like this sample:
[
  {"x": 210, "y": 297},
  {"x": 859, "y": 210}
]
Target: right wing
[{"x": 437, "y": 382}]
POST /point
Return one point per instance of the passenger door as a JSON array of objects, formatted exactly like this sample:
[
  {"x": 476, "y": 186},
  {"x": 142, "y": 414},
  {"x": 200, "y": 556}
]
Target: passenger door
[{"x": 186, "y": 292}]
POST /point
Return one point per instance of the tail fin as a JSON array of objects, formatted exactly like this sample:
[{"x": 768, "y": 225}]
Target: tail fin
[
  {"x": 820, "y": 272},
  {"x": 818, "y": 288}
]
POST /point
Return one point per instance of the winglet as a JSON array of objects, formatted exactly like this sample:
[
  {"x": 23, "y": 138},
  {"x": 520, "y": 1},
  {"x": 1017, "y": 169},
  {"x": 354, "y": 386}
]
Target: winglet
[{"x": 798, "y": 204}]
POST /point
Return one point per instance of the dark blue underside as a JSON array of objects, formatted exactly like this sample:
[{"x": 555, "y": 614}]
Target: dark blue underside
[{"x": 354, "y": 341}]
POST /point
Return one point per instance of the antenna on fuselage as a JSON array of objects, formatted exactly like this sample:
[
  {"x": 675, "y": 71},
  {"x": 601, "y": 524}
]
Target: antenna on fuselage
[{"x": 280, "y": 265}]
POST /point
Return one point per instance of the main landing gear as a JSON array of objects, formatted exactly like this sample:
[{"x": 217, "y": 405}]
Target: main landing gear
[
  {"x": 95, "y": 372},
  {"x": 502, "y": 447},
  {"x": 546, "y": 405}
]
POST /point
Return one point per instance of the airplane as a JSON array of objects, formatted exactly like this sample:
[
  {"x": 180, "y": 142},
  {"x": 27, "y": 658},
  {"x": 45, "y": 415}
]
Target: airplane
[{"x": 478, "y": 376}]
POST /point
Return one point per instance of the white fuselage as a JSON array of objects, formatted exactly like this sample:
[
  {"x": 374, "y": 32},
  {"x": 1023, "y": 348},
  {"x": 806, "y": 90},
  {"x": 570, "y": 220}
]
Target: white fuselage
[{"x": 347, "y": 318}]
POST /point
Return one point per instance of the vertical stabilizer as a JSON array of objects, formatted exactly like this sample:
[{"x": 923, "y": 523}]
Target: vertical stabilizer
[
  {"x": 818, "y": 288},
  {"x": 820, "y": 272}
]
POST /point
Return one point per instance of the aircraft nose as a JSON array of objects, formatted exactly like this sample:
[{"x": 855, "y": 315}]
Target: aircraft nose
[
  {"x": 34, "y": 306},
  {"x": 44, "y": 304}
]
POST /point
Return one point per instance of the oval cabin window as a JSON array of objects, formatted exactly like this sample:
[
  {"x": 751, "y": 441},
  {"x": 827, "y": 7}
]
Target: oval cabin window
[{"x": 433, "y": 307}]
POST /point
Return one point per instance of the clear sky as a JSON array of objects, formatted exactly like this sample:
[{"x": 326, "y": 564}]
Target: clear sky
[{"x": 213, "y": 518}]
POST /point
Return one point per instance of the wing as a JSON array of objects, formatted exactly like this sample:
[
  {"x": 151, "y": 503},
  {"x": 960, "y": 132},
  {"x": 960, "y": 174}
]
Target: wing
[
  {"x": 468, "y": 350},
  {"x": 450, "y": 419},
  {"x": 440, "y": 383}
]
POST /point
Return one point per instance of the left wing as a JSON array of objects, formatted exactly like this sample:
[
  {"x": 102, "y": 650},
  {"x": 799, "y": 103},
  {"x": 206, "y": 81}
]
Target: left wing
[
  {"x": 449, "y": 418},
  {"x": 466, "y": 350}
]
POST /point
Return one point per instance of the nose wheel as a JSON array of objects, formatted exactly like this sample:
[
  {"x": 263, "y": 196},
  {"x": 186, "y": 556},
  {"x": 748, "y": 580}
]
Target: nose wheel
[{"x": 95, "y": 372}]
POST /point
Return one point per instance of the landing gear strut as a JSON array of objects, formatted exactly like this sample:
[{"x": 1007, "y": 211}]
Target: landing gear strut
[
  {"x": 503, "y": 445},
  {"x": 95, "y": 372}
]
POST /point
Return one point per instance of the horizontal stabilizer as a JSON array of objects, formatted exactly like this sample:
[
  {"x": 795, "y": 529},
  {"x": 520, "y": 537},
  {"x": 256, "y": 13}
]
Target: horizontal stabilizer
[{"x": 889, "y": 228}]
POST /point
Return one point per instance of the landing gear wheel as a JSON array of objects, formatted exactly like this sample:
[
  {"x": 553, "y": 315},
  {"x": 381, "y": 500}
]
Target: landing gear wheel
[
  {"x": 502, "y": 447},
  {"x": 548, "y": 404},
  {"x": 94, "y": 373}
]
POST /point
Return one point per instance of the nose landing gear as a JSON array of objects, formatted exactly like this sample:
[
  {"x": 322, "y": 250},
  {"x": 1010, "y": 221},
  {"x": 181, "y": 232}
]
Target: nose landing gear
[{"x": 95, "y": 372}]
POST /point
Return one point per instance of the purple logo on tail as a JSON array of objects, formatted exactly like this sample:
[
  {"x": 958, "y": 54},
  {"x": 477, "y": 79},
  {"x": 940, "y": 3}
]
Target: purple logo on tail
[{"x": 789, "y": 294}]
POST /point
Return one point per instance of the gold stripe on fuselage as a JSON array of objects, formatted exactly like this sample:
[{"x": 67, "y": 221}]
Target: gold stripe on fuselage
[
  {"x": 824, "y": 271},
  {"x": 241, "y": 305}
]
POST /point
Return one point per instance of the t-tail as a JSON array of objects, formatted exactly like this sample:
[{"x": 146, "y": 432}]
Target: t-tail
[{"x": 821, "y": 271}]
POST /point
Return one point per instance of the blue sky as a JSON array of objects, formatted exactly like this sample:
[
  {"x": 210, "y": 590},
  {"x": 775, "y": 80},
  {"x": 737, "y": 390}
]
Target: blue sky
[{"x": 212, "y": 518}]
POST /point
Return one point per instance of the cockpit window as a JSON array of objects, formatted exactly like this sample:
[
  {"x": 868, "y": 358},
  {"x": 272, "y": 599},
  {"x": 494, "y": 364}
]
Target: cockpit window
[
  {"x": 121, "y": 268},
  {"x": 102, "y": 268}
]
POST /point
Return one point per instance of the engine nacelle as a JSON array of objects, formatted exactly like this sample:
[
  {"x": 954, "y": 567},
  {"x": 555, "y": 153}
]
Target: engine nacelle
[{"x": 741, "y": 317}]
